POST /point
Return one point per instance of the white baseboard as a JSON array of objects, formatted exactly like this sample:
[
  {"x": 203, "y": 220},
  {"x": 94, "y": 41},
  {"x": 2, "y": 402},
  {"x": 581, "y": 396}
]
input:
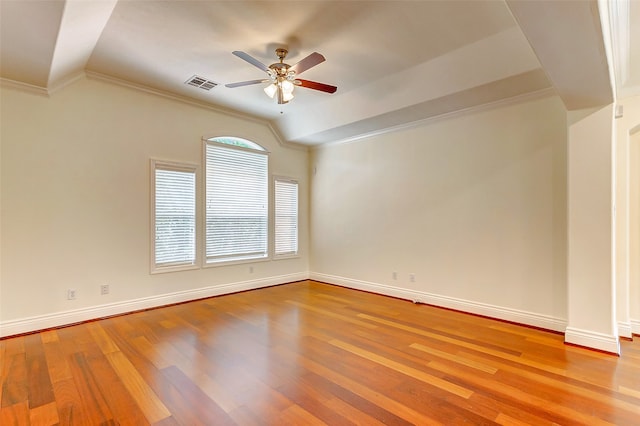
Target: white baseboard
[
  {"x": 498, "y": 312},
  {"x": 592, "y": 339},
  {"x": 635, "y": 326},
  {"x": 624, "y": 329},
  {"x": 26, "y": 325}
]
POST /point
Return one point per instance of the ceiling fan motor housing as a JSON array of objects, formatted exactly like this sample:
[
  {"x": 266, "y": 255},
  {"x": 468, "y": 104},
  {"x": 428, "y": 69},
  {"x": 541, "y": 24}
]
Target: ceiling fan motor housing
[{"x": 281, "y": 69}]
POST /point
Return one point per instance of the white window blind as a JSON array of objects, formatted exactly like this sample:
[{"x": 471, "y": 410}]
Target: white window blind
[
  {"x": 286, "y": 220},
  {"x": 174, "y": 215},
  {"x": 236, "y": 203}
]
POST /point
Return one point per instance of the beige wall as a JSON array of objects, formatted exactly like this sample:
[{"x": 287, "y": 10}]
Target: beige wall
[
  {"x": 627, "y": 287},
  {"x": 473, "y": 205},
  {"x": 634, "y": 231},
  {"x": 591, "y": 289},
  {"x": 75, "y": 196}
]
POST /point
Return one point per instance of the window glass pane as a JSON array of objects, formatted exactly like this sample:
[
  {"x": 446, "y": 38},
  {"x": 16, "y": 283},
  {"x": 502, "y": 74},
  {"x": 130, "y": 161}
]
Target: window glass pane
[
  {"x": 286, "y": 220},
  {"x": 175, "y": 217},
  {"x": 236, "y": 203},
  {"x": 229, "y": 140}
]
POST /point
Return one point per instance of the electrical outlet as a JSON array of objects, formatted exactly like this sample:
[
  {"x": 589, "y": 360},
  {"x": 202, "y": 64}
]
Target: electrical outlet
[
  {"x": 251, "y": 269},
  {"x": 394, "y": 275},
  {"x": 71, "y": 294},
  {"x": 412, "y": 278},
  {"x": 104, "y": 289}
]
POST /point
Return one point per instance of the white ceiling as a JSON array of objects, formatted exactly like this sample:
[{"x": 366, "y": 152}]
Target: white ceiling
[{"x": 394, "y": 62}]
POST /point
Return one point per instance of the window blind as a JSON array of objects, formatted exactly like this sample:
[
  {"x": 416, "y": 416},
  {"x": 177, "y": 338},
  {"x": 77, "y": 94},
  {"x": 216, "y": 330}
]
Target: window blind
[
  {"x": 236, "y": 203},
  {"x": 286, "y": 217},
  {"x": 175, "y": 216}
]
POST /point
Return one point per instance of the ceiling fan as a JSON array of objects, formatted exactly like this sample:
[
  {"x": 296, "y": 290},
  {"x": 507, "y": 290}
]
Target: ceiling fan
[{"x": 283, "y": 77}]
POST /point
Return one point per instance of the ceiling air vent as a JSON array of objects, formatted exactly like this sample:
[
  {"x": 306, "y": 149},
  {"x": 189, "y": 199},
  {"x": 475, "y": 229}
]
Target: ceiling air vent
[{"x": 201, "y": 82}]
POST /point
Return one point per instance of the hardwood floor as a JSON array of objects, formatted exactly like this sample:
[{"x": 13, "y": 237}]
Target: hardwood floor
[{"x": 308, "y": 353}]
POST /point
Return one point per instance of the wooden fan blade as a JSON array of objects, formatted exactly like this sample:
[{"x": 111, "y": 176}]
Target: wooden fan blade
[
  {"x": 253, "y": 61},
  {"x": 246, "y": 83},
  {"x": 317, "y": 86},
  {"x": 310, "y": 61}
]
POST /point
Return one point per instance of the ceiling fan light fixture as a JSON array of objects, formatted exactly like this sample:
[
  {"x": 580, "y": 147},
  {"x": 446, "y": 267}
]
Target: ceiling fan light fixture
[
  {"x": 271, "y": 90},
  {"x": 287, "y": 96},
  {"x": 287, "y": 86}
]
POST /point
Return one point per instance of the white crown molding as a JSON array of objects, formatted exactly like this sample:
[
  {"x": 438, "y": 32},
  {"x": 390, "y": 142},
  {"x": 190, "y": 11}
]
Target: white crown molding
[
  {"x": 61, "y": 84},
  {"x": 592, "y": 339},
  {"x": 58, "y": 319},
  {"x": 25, "y": 87},
  {"x": 190, "y": 101},
  {"x": 506, "y": 314},
  {"x": 47, "y": 92},
  {"x": 514, "y": 100}
]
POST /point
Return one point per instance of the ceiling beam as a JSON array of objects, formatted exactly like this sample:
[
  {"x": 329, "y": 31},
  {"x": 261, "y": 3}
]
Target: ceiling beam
[
  {"x": 567, "y": 38},
  {"x": 28, "y": 30},
  {"x": 492, "y": 59},
  {"x": 80, "y": 28}
]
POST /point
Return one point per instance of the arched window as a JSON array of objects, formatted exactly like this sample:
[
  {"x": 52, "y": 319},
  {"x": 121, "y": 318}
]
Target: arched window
[
  {"x": 236, "y": 202},
  {"x": 233, "y": 141}
]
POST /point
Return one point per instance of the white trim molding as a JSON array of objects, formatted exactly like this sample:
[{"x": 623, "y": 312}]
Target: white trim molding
[
  {"x": 59, "y": 319},
  {"x": 198, "y": 103},
  {"x": 592, "y": 339},
  {"x": 61, "y": 84},
  {"x": 635, "y": 327},
  {"x": 624, "y": 329},
  {"x": 25, "y": 87},
  {"x": 506, "y": 314}
]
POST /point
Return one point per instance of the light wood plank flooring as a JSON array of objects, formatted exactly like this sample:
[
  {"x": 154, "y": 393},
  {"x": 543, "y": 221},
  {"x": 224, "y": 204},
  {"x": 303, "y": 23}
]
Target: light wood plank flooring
[{"x": 309, "y": 353}]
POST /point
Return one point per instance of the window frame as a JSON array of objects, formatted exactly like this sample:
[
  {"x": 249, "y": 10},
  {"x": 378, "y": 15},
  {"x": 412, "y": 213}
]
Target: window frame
[
  {"x": 205, "y": 262},
  {"x": 186, "y": 167},
  {"x": 287, "y": 255}
]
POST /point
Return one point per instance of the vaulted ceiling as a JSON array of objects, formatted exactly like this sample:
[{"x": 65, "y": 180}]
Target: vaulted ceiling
[{"x": 394, "y": 62}]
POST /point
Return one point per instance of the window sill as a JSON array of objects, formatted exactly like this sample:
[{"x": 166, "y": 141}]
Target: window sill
[
  {"x": 287, "y": 256},
  {"x": 167, "y": 269},
  {"x": 232, "y": 262}
]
